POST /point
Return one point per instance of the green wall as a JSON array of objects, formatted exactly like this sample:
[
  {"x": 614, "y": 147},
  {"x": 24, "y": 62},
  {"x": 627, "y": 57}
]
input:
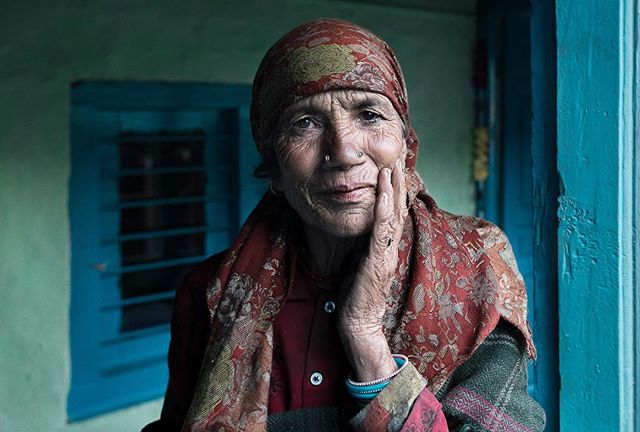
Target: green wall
[{"x": 45, "y": 46}]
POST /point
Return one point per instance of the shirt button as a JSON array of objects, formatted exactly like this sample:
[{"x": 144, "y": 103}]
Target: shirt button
[
  {"x": 329, "y": 307},
  {"x": 316, "y": 378}
]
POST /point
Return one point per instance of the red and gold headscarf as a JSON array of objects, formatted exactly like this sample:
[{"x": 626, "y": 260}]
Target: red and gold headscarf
[{"x": 456, "y": 276}]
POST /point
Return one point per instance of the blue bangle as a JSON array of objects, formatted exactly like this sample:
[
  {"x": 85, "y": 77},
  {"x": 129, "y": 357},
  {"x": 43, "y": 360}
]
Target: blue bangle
[
  {"x": 369, "y": 390},
  {"x": 400, "y": 361},
  {"x": 366, "y": 389},
  {"x": 364, "y": 397}
]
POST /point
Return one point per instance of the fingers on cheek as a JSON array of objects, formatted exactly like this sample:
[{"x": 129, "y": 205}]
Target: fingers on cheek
[
  {"x": 382, "y": 240},
  {"x": 383, "y": 237},
  {"x": 387, "y": 220},
  {"x": 395, "y": 176},
  {"x": 403, "y": 210},
  {"x": 382, "y": 203},
  {"x": 384, "y": 180},
  {"x": 401, "y": 192}
]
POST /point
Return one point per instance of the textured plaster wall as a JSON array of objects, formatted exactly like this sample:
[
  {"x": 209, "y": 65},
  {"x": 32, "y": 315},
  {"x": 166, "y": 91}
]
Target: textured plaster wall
[
  {"x": 44, "y": 46},
  {"x": 596, "y": 145}
]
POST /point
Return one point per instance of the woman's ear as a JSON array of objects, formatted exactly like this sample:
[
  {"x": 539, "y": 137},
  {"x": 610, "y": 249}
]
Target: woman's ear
[{"x": 275, "y": 184}]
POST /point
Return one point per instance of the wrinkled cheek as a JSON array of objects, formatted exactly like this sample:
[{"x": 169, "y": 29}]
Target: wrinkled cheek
[
  {"x": 387, "y": 151},
  {"x": 293, "y": 172},
  {"x": 297, "y": 194}
]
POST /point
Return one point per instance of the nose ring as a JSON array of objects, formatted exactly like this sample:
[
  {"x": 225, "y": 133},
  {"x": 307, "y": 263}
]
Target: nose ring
[
  {"x": 359, "y": 154},
  {"x": 326, "y": 158}
]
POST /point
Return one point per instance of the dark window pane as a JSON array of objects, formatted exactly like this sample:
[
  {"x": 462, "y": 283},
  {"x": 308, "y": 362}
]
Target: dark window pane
[
  {"x": 136, "y": 317},
  {"x": 159, "y": 154},
  {"x": 142, "y": 283},
  {"x": 140, "y": 219},
  {"x": 161, "y": 248},
  {"x": 151, "y": 186},
  {"x": 137, "y": 284}
]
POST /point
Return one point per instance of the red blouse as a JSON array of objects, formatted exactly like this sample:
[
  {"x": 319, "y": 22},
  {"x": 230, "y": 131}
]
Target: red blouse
[{"x": 309, "y": 366}]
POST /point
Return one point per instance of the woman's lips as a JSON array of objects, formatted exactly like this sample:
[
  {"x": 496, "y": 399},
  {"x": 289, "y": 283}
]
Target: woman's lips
[{"x": 349, "y": 194}]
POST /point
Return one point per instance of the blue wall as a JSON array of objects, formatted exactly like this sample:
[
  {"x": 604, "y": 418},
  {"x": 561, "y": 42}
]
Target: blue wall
[{"x": 595, "y": 118}]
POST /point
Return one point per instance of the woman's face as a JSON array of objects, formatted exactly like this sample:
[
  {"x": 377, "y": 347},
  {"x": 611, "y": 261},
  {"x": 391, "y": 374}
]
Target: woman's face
[{"x": 361, "y": 132}]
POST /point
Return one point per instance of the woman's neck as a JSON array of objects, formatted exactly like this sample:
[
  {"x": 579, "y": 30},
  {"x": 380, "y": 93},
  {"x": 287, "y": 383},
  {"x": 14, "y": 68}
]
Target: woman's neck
[{"x": 326, "y": 253}]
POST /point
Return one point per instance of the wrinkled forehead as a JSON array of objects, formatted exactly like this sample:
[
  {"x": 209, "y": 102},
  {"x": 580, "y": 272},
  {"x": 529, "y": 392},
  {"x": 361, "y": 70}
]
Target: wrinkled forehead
[
  {"x": 322, "y": 56},
  {"x": 341, "y": 100}
]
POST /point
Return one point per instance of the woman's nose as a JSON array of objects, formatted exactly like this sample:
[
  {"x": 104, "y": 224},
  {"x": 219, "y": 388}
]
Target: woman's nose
[{"x": 343, "y": 147}]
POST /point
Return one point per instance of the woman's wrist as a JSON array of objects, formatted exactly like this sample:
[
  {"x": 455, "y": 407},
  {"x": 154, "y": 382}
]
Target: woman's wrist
[{"x": 369, "y": 355}]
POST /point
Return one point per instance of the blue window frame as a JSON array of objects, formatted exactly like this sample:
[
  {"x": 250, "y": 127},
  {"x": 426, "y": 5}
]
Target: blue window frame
[{"x": 160, "y": 179}]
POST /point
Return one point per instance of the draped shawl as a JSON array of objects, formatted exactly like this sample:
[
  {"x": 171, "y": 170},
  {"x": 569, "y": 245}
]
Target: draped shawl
[{"x": 456, "y": 276}]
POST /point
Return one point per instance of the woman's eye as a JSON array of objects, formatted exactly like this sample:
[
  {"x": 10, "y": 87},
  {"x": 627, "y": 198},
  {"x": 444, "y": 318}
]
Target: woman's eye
[
  {"x": 370, "y": 116},
  {"x": 305, "y": 123}
]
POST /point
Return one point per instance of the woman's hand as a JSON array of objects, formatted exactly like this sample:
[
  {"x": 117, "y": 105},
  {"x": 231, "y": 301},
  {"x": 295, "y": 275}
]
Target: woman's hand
[{"x": 364, "y": 301}]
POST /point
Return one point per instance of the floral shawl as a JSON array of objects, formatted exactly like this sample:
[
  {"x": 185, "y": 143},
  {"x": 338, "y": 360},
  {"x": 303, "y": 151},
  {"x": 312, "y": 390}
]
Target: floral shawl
[{"x": 456, "y": 276}]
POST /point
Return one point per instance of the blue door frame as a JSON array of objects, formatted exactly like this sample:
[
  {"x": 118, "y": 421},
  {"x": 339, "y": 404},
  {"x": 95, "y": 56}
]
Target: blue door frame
[
  {"x": 545, "y": 191},
  {"x": 597, "y": 163}
]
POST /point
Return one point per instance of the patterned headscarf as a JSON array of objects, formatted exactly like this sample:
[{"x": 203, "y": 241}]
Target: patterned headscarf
[{"x": 456, "y": 276}]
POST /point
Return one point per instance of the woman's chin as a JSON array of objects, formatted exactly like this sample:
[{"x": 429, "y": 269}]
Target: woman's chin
[{"x": 346, "y": 225}]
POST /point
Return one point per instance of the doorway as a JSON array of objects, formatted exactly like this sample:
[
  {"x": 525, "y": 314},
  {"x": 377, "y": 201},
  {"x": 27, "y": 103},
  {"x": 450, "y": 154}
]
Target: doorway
[{"x": 504, "y": 109}]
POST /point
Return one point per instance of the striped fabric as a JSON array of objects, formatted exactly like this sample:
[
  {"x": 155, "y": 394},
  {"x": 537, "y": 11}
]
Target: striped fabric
[{"x": 489, "y": 392}]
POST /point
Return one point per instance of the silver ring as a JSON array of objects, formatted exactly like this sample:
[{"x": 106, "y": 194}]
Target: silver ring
[
  {"x": 326, "y": 158},
  {"x": 359, "y": 154}
]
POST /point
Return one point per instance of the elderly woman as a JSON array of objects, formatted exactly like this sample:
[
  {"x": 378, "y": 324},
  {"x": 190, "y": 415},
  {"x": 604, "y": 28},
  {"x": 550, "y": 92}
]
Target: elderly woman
[{"x": 349, "y": 300}]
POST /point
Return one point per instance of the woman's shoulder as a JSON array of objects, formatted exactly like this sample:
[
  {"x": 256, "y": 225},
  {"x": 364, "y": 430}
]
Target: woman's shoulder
[
  {"x": 490, "y": 240},
  {"x": 489, "y": 234},
  {"x": 465, "y": 223},
  {"x": 467, "y": 229},
  {"x": 208, "y": 268}
]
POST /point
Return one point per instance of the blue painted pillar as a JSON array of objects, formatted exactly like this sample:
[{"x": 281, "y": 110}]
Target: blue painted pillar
[{"x": 596, "y": 160}]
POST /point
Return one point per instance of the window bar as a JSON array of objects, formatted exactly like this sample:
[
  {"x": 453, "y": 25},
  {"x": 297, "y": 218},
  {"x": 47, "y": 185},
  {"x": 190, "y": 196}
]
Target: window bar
[
  {"x": 158, "y": 170},
  {"x": 168, "y": 170},
  {"x": 155, "y": 265},
  {"x": 137, "y": 334},
  {"x": 160, "y": 138},
  {"x": 165, "y": 201},
  {"x": 139, "y": 300},
  {"x": 166, "y": 233}
]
